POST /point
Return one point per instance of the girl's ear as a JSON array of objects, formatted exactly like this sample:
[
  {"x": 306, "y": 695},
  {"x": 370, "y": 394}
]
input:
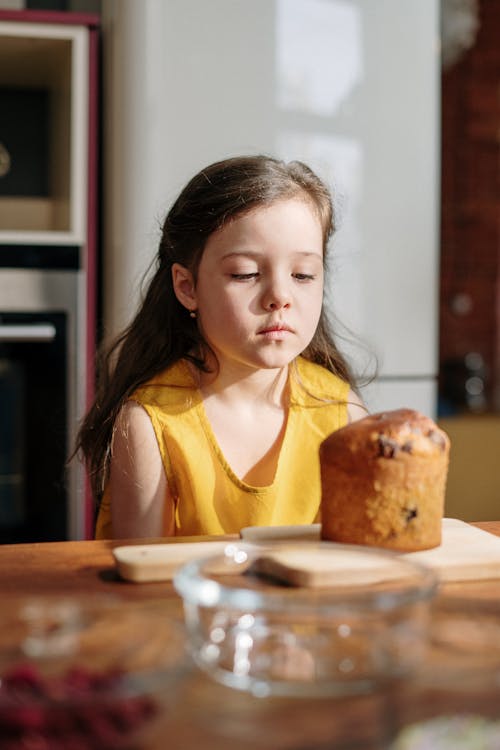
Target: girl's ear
[{"x": 184, "y": 286}]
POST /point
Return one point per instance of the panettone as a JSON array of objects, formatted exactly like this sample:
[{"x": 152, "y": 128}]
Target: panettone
[{"x": 383, "y": 481}]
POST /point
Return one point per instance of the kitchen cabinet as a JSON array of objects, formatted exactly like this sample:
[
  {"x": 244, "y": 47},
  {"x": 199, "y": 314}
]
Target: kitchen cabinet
[{"x": 49, "y": 67}]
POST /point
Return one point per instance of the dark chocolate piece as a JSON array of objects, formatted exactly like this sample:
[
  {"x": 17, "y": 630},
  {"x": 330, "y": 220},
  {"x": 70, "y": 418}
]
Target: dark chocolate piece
[
  {"x": 411, "y": 513},
  {"x": 387, "y": 447}
]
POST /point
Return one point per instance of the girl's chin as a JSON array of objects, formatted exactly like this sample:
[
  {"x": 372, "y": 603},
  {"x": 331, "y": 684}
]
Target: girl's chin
[
  {"x": 275, "y": 359},
  {"x": 271, "y": 357}
]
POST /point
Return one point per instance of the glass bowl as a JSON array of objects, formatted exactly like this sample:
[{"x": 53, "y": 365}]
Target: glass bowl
[
  {"x": 352, "y": 618},
  {"x": 86, "y": 672}
]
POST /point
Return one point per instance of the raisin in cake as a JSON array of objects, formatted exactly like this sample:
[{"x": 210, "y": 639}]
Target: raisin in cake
[{"x": 383, "y": 481}]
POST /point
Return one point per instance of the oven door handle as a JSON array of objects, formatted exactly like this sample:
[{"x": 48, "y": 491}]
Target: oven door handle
[{"x": 22, "y": 333}]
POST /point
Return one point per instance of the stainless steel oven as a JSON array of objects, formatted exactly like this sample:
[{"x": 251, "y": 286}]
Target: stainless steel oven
[{"x": 42, "y": 393}]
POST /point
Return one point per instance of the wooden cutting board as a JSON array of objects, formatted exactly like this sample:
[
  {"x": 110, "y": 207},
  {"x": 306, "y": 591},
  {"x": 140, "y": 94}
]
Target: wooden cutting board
[
  {"x": 159, "y": 562},
  {"x": 466, "y": 552}
]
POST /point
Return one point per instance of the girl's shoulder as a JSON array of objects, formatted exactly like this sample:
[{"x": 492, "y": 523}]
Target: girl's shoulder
[
  {"x": 171, "y": 385},
  {"x": 315, "y": 380}
]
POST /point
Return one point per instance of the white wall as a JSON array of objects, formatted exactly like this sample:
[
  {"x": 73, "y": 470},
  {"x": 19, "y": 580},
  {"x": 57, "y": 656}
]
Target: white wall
[
  {"x": 187, "y": 82},
  {"x": 350, "y": 86}
]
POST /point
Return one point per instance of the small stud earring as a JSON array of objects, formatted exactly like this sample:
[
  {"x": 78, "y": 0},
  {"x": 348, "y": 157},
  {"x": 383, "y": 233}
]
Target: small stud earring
[{"x": 192, "y": 313}]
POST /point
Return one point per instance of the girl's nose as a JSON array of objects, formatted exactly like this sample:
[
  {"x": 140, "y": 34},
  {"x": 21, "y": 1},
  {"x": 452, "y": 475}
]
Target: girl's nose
[{"x": 276, "y": 297}]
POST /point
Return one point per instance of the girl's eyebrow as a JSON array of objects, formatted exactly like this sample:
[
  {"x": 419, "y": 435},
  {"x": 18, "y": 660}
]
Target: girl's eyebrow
[{"x": 256, "y": 254}]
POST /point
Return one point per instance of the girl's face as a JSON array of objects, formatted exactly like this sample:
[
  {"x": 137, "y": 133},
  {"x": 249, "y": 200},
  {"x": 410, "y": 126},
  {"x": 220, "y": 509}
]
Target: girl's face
[{"x": 259, "y": 289}]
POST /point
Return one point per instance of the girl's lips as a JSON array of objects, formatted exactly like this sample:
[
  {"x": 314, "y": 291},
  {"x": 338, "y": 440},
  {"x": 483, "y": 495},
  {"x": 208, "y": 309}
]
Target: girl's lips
[
  {"x": 277, "y": 327},
  {"x": 276, "y": 332}
]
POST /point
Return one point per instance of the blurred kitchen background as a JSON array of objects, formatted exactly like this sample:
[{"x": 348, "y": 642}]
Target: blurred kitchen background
[{"x": 108, "y": 107}]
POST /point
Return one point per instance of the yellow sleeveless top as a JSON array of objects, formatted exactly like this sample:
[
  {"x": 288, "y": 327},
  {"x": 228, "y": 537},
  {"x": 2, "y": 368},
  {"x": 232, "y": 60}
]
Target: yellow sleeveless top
[{"x": 209, "y": 497}]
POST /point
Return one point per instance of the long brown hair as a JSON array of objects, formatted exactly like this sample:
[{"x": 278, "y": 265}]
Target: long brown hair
[{"x": 162, "y": 332}]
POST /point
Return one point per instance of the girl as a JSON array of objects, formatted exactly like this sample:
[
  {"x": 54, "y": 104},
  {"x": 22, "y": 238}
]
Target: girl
[{"x": 212, "y": 404}]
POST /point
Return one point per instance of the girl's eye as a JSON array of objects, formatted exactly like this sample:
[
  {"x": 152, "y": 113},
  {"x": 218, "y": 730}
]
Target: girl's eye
[
  {"x": 304, "y": 276},
  {"x": 244, "y": 276}
]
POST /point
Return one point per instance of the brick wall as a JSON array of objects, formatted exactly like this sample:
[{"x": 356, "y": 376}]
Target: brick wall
[{"x": 470, "y": 219}]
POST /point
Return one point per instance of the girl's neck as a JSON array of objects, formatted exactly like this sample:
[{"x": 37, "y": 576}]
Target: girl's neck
[
  {"x": 251, "y": 403},
  {"x": 234, "y": 384}
]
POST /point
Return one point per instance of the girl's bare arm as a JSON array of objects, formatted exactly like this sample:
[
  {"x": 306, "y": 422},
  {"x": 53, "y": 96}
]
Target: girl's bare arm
[
  {"x": 141, "y": 505},
  {"x": 355, "y": 407}
]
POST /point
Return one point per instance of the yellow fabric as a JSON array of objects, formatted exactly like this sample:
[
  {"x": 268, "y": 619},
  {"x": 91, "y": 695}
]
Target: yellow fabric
[{"x": 210, "y": 498}]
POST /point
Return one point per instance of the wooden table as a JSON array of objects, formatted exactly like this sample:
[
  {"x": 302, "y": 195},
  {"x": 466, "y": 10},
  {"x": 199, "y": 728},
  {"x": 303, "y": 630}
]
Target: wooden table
[{"x": 207, "y": 715}]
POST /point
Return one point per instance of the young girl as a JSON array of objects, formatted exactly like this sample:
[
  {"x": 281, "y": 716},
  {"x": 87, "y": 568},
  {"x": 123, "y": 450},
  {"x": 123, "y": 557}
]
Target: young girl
[{"x": 212, "y": 404}]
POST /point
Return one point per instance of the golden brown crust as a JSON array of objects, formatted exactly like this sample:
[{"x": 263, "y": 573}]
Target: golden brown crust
[{"x": 383, "y": 481}]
